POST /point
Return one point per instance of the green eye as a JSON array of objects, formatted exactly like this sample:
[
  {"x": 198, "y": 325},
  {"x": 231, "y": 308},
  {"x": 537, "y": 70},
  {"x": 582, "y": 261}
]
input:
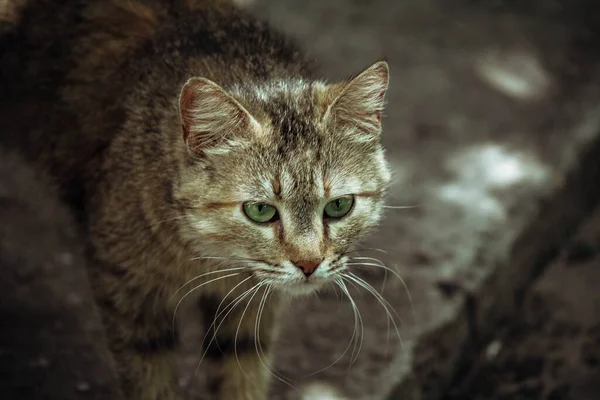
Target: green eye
[
  {"x": 339, "y": 207},
  {"x": 260, "y": 212}
]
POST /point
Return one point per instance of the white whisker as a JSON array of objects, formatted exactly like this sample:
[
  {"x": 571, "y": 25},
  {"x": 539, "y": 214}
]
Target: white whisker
[
  {"x": 202, "y": 276},
  {"x": 385, "y": 271},
  {"x": 193, "y": 290},
  {"x": 384, "y": 303},
  {"x": 231, "y": 306},
  {"x": 237, "y": 331},
  {"x": 367, "y": 249},
  {"x": 355, "y": 351},
  {"x": 258, "y": 346},
  {"x": 218, "y": 311},
  {"x": 369, "y": 287},
  {"x": 368, "y": 258},
  {"x": 396, "y": 274},
  {"x": 339, "y": 283},
  {"x": 227, "y": 310}
]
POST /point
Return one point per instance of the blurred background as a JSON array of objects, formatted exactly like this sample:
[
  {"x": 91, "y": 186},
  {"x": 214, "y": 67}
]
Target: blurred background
[{"x": 486, "y": 269}]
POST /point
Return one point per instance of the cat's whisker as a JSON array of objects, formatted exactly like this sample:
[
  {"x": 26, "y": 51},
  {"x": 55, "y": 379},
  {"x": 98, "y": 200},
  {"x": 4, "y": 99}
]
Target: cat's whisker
[
  {"x": 367, "y": 249},
  {"x": 358, "y": 345},
  {"x": 232, "y": 305},
  {"x": 334, "y": 290},
  {"x": 400, "y": 207},
  {"x": 358, "y": 326},
  {"x": 384, "y": 303},
  {"x": 368, "y": 258},
  {"x": 237, "y": 331},
  {"x": 257, "y": 331},
  {"x": 385, "y": 271},
  {"x": 355, "y": 333},
  {"x": 257, "y": 344},
  {"x": 239, "y": 299},
  {"x": 378, "y": 294},
  {"x": 218, "y": 311},
  {"x": 202, "y": 276},
  {"x": 339, "y": 283},
  {"x": 396, "y": 274},
  {"x": 388, "y": 319},
  {"x": 227, "y": 309},
  {"x": 385, "y": 277},
  {"x": 193, "y": 290}
]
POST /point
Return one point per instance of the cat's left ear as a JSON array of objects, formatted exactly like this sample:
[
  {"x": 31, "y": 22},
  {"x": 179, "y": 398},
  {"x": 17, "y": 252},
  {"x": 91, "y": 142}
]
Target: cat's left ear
[
  {"x": 359, "y": 102},
  {"x": 211, "y": 119}
]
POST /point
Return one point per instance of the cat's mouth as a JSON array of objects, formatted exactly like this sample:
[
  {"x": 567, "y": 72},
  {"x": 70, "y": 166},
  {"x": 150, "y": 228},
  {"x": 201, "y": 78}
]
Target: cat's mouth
[
  {"x": 290, "y": 280},
  {"x": 300, "y": 288}
]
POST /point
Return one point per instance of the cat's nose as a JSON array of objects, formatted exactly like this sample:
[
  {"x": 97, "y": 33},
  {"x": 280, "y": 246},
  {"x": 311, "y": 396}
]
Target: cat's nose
[{"x": 308, "y": 266}]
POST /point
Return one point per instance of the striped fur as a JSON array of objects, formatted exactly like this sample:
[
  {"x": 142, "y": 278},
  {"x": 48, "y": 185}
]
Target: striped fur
[{"x": 158, "y": 120}]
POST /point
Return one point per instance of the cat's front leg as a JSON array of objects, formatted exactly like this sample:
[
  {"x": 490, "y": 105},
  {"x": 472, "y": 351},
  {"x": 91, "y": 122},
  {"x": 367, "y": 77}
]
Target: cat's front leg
[
  {"x": 239, "y": 348},
  {"x": 141, "y": 337}
]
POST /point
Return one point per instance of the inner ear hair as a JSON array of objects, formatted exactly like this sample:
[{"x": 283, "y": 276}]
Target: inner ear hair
[{"x": 211, "y": 117}]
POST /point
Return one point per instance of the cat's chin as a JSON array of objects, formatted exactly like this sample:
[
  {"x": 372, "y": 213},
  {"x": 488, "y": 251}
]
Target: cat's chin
[{"x": 301, "y": 289}]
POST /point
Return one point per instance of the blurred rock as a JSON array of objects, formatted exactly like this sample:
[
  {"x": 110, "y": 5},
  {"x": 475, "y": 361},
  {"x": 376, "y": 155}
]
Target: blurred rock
[{"x": 52, "y": 344}]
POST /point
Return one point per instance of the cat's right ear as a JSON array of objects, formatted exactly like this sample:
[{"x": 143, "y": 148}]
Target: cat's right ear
[
  {"x": 358, "y": 103},
  {"x": 211, "y": 119}
]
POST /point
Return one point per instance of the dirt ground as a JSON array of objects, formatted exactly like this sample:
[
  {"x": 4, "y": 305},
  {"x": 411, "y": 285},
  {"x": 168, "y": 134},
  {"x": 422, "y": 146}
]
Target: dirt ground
[{"x": 553, "y": 350}]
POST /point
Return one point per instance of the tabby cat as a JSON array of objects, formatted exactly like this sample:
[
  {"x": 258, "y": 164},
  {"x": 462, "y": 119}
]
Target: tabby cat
[{"x": 199, "y": 153}]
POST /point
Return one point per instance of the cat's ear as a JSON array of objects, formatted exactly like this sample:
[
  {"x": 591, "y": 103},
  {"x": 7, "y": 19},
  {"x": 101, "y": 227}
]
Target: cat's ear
[
  {"x": 211, "y": 118},
  {"x": 359, "y": 102}
]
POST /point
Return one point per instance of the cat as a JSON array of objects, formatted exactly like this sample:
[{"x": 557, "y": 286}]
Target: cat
[
  {"x": 10, "y": 11},
  {"x": 200, "y": 153}
]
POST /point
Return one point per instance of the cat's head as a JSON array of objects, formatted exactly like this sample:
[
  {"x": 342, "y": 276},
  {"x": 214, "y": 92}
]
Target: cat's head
[{"x": 284, "y": 177}]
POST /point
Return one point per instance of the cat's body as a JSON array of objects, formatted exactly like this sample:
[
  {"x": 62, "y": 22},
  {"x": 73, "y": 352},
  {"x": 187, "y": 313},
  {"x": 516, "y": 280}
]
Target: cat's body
[{"x": 163, "y": 121}]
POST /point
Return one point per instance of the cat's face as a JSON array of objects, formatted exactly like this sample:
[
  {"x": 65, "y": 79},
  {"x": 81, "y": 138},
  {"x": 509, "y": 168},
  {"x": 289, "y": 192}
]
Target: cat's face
[{"x": 285, "y": 177}]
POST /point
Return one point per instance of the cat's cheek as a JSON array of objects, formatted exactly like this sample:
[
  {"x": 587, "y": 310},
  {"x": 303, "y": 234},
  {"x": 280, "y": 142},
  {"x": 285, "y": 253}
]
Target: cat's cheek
[
  {"x": 340, "y": 235},
  {"x": 370, "y": 212},
  {"x": 346, "y": 232},
  {"x": 384, "y": 170}
]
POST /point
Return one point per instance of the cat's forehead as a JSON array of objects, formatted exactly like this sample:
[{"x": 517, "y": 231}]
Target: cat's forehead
[
  {"x": 300, "y": 159},
  {"x": 288, "y": 107},
  {"x": 307, "y": 176}
]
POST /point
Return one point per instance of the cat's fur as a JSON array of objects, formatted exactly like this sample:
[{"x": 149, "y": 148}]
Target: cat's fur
[{"x": 159, "y": 119}]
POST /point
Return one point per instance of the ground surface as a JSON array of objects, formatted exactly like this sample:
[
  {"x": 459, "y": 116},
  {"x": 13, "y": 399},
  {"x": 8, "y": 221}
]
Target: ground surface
[
  {"x": 493, "y": 133},
  {"x": 52, "y": 344},
  {"x": 552, "y": 351}
]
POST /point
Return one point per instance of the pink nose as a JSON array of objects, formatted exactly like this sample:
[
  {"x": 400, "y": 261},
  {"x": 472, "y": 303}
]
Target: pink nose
[{"x": 308, "y": 266}]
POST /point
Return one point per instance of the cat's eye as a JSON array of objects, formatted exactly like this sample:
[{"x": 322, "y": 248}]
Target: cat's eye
[
  {"x": 260, "y": 212},
  {"x": 339, "y": 207}
]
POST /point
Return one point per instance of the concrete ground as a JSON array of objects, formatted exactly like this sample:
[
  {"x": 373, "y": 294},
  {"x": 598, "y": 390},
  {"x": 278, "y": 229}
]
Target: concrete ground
[{"x": 552, "y": 349}]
